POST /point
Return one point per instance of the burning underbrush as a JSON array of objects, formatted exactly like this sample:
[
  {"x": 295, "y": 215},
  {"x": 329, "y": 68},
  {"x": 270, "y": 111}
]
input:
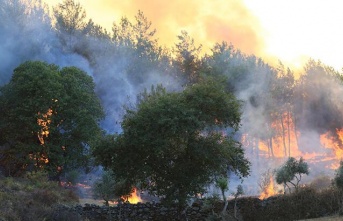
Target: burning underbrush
[
  {"x": 84, "y": 189},
  {"x": 33, "y": 197},
  {"x": 284, "y": 137},
  {"x": 304, "y": 204}
]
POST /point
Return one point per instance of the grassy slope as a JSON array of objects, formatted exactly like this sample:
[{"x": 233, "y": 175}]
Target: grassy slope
[{"x": 32, "y": 197}]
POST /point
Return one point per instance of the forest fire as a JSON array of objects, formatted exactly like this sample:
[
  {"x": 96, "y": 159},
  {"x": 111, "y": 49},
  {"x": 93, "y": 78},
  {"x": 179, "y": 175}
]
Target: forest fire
[
  {"x": 321, "y": 150},
  {"x": 134, "y": 198},
  {"x": 333, "y": 142},
  {"x": 44, "y": 121},
  {"x": 286, "y": 144},
  {"x": 269, "y": 190}
]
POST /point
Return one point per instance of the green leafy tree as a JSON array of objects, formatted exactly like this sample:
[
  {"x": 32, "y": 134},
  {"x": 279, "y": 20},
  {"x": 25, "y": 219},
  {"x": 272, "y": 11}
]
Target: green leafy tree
[
  {"x": 245, "y": 72},
  {"x": 105, "y": 188},
  {"x": 50, "y": 118},
  {"x": 71, "y": 25},
  {"x": 136, "y": 42},
  {"x": 315, "y": 91},
  {"x": 187, "y": 61},
  {"x": 222, "y": 184},
  {"x": 291, "y": 172},
  {"x": 70, "y": 17},
  {"x": 172, "y": 143}
]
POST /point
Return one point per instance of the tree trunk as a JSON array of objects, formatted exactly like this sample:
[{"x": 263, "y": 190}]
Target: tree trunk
[
  {"x": 289, "y": 133},
  {"x": 225, "y": 206},
  {"x": 257, "y": 141},
  {"x": 283, "y": 136},
  {"x": 235, "y": 209},
  {"x": 295, "y": 130},
  {"x": 271, "y": 147},
  {"x": 223, "y": 194}
]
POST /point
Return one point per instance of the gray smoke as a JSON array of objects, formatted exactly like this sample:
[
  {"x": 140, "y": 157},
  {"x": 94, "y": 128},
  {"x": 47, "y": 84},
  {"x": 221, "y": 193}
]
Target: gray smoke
[{"x": 26, "y": 33}]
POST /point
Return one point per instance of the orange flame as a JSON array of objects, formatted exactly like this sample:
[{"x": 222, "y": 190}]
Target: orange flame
[
  {"x": 270, "y": 189},
  {"x": 44, "y": 122},
  {"x": 134, "y": 198},
  {"x": 285, "y": 144},
  {"x": 328, "y": 142}
]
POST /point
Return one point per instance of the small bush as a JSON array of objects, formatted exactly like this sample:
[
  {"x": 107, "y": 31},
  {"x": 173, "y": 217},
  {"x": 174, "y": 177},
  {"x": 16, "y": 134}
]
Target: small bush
[
  {"x": 72, "y": 177},
  {"x": 321, "y": 183}
]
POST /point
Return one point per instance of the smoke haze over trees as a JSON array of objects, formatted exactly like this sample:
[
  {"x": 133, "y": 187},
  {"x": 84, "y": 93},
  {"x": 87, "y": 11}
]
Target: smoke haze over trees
[{"x": 282, "y": 115}]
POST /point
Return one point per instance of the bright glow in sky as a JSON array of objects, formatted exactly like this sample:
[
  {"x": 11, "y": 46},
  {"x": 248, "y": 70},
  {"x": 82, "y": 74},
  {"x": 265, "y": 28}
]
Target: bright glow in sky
[
  {"x": 289, "y": 30},
  {"x": 297, "y": 30}
]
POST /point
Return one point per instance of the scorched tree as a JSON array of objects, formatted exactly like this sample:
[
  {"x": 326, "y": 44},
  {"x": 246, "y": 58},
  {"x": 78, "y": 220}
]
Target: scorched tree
[{"x": 49, "y": 119}]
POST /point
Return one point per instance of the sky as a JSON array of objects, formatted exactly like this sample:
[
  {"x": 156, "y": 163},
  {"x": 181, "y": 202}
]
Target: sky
[{"x": 291, "y": 31}]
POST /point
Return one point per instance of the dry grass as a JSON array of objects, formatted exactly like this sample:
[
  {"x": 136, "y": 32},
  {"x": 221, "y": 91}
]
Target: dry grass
[{"x": 32, "y": 197}]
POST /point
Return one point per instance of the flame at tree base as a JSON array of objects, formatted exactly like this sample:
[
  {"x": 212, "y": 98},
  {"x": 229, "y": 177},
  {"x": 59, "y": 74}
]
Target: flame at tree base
[
  {"x": 269, "y": 191},
  {"x": 134, "y": 198}
]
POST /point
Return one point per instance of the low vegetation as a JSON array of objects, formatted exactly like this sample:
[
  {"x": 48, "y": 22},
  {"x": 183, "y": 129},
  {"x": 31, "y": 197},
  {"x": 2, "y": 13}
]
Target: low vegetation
[
  {"x": 33, "y": 197},
  {"x": 307, "y": 203}
]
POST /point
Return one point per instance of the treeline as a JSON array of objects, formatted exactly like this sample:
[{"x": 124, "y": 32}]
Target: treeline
[{"x": 129, "y": 58}]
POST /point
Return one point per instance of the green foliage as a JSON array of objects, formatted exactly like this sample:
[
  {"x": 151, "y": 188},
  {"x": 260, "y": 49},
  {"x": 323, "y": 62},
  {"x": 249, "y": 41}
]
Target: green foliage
[
  {"x": 339, "y": 177},
  {"x": 292, "y": 169},
  {"x": 105, "y": 188},
  {"x": 50, "y": 118},
  {"x": 70, "y": 16},
  {"x": 239, "y": 191},
  {"x": 187, "y": 60},
  {"x": 222, "y": 184},
  {"x": 72, "y": 176},
  {"x": 172, "y": 142},
  {"x": 136, "y": 41},
  {"x": 109, "y": 188}
]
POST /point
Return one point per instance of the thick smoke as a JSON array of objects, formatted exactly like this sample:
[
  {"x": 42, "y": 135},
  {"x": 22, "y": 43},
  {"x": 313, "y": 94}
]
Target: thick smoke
[
  {"x": 314, "y": 105},
  {"x": 26, "y": 34},
  {"x": 315, "y": 102}
]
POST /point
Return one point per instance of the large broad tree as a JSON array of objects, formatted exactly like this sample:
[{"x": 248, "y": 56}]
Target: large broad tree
[
  {"x": 50, "y": 117},
  {"x": 174, "y": 144}
]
